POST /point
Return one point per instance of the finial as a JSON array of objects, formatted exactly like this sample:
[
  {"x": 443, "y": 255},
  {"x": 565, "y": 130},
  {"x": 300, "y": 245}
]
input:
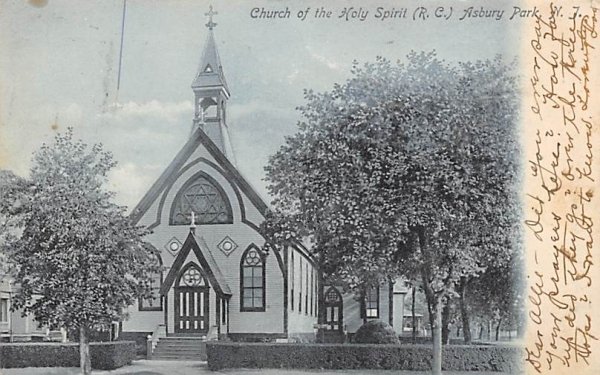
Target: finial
[{"x": 210, "y": 15}]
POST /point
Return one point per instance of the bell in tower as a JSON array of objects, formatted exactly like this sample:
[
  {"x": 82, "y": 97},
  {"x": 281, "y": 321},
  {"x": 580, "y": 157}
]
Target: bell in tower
[{"x": 211, "y": 94}]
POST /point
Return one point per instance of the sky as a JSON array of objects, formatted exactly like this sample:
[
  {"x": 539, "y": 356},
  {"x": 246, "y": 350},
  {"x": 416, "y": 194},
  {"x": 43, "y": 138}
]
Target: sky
[{"x": 59, "y": 65}]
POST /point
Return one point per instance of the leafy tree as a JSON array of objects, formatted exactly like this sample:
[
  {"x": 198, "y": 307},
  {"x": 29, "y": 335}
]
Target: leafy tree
[
  {"x": 404, "y": 167},
  {"x": 79, "y": 260},
  {"x": 8, "y": 182}
]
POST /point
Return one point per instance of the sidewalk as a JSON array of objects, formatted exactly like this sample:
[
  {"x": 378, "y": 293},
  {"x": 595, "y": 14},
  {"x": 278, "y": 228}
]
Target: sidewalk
[{"x": 145, "y": 367}]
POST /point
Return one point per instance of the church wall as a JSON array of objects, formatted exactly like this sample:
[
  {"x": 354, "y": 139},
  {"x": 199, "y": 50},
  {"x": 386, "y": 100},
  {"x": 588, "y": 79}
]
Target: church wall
[
  {"x": 271, "y": 320},
  {"x": 142, "y": 321},
  {"x": 241, "y": 232},
  {"x": 301, "y": 319}
]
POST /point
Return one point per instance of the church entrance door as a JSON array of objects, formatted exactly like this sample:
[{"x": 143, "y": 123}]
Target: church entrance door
[{"x": 192, "y": 301}]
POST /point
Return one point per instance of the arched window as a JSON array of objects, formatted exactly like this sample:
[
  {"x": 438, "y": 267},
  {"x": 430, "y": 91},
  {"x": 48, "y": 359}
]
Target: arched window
[
  {"x": 334, "y": 309},
  {"x": 153, "y": 303},
  {"x": 252, "y": 280},
  {"x": 203, "y": 195}
]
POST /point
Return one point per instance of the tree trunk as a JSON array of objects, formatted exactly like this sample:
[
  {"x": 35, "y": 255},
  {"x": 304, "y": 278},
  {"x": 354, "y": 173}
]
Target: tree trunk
[
  {"x": 480, "y": 331},
  {"x": 414, "y": 318},
  {"x": 498, "y": 329},
  {"x": 464, "y": 313},
  {"x": 436, "y": 335},
  {"x": 85, "y": 361},
  {"x": 434, "y": 303},
  {"x": 429, "y": 309},
  {"x": 446, "y": 323}
]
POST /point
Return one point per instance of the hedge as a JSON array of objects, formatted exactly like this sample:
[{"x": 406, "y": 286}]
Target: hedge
[
  {"x": 361, "y": 356},
  {"x": 105, "y": 355}
]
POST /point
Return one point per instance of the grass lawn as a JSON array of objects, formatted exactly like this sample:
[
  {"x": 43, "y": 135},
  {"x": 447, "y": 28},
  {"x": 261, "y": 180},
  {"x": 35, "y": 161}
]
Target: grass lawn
[{"x": 145, "y": 367}]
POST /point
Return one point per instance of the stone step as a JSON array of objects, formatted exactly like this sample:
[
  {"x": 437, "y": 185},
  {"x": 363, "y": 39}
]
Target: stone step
[
  {"x": 178, "y": 358},
  {"x": 178, "y": 348},
  {"x": 180, "y": 354}
]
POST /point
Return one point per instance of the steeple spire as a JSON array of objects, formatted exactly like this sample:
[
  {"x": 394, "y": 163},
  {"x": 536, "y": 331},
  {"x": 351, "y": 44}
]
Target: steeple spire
[
  {"x": 211, "y": 93},
  {"x": 210, "y": 71}
]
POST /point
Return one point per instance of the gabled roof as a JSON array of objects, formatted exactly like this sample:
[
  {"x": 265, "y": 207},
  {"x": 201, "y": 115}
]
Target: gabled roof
[
  {"x": 210, "y": 71},
  {"x": 198, "y": 138},
  {"x": 207, "y": 262}
]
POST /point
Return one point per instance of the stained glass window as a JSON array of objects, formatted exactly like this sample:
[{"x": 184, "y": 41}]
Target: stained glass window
[
  {"x": 206, "y": 199},
  {"x": 192, "y": 277},
  {"x": 253, "y": 283}
]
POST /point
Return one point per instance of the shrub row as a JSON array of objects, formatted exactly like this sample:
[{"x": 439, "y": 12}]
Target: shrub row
[
  {"x": 361, "y": 356},
  {"x": 104, "y": 355}
]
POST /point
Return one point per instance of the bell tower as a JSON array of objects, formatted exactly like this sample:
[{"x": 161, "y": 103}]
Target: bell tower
[{"x": 211, "y": 94}]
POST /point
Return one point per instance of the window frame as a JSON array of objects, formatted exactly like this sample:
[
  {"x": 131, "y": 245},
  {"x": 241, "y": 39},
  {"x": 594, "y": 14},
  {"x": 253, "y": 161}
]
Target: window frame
[
  {"x": 244, "y": 308},
  {"x": 4, "y": 310},
  {"x": 141, "y": 300},
  {"x": 190, "y": 182},
  {"x": 366, "y": 301}
]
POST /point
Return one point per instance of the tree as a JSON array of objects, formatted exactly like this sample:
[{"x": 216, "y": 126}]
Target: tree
[
  {"x": 79, "y": 260},
  {"x": 8, "y": 182},
  {"x": 404, "y": 167}
]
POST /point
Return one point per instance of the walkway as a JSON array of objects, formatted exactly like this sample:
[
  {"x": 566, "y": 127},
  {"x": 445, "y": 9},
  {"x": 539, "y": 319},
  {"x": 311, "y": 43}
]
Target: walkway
[{"x": 144, "y": 367}]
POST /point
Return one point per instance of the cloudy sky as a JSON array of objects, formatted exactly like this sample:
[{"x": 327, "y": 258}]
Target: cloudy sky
[{"x": 59, "y": 66}]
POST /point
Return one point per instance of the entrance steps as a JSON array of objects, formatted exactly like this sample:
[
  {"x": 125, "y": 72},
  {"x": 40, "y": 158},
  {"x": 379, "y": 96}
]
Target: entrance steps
[{"x": 180, "y": 348}]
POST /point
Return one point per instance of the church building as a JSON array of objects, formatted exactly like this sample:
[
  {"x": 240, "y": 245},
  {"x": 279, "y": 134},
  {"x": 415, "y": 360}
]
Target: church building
[{"x": 217, "y": 280}]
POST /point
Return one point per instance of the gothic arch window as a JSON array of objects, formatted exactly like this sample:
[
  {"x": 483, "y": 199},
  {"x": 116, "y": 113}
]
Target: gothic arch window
[
  {"x": 206, "y": 198},
  {"x": 334, "y": 309},
  {"x": 153, "y": 303},
  {"x": 252, "y": 280}
]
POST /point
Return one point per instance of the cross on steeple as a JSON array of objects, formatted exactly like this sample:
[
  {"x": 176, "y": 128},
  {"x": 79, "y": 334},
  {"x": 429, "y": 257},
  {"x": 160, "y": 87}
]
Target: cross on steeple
[{"x": 210, "y": 15}]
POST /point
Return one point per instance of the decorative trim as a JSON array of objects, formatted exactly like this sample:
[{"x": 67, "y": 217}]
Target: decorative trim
[
  {"x": 264, "y": 284},
  {"x": 167, "y": 313},
  {"x": 191, "y": 244},
  {"x": 236, "y": 191},
  {"x": 173, "y": 240},
  {"x": 223, "y": 243},
  {"x": 166, "y": 178}
]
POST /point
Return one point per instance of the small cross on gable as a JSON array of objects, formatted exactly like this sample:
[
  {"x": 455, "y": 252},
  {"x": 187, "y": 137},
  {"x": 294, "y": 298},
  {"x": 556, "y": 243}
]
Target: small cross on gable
[{"x": 193, "y": 222}]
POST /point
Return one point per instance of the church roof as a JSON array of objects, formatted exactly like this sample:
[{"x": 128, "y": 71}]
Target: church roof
[
  {"x": 197, "y": 138},
  {"x": 210, "y": 71},
  {"x": 207, "y": 262}
]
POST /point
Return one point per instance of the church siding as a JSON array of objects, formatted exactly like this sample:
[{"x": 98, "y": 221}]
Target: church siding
[
  {"x": 300, "y": 319},
  {"x": 269, "y": 321}
]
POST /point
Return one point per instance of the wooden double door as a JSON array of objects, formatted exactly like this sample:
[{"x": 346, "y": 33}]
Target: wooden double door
[{"x": 192, "y": 302}]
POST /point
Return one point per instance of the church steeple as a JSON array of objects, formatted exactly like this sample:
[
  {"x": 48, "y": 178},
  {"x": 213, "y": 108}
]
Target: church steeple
[{"x": 211, "y": 93}]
